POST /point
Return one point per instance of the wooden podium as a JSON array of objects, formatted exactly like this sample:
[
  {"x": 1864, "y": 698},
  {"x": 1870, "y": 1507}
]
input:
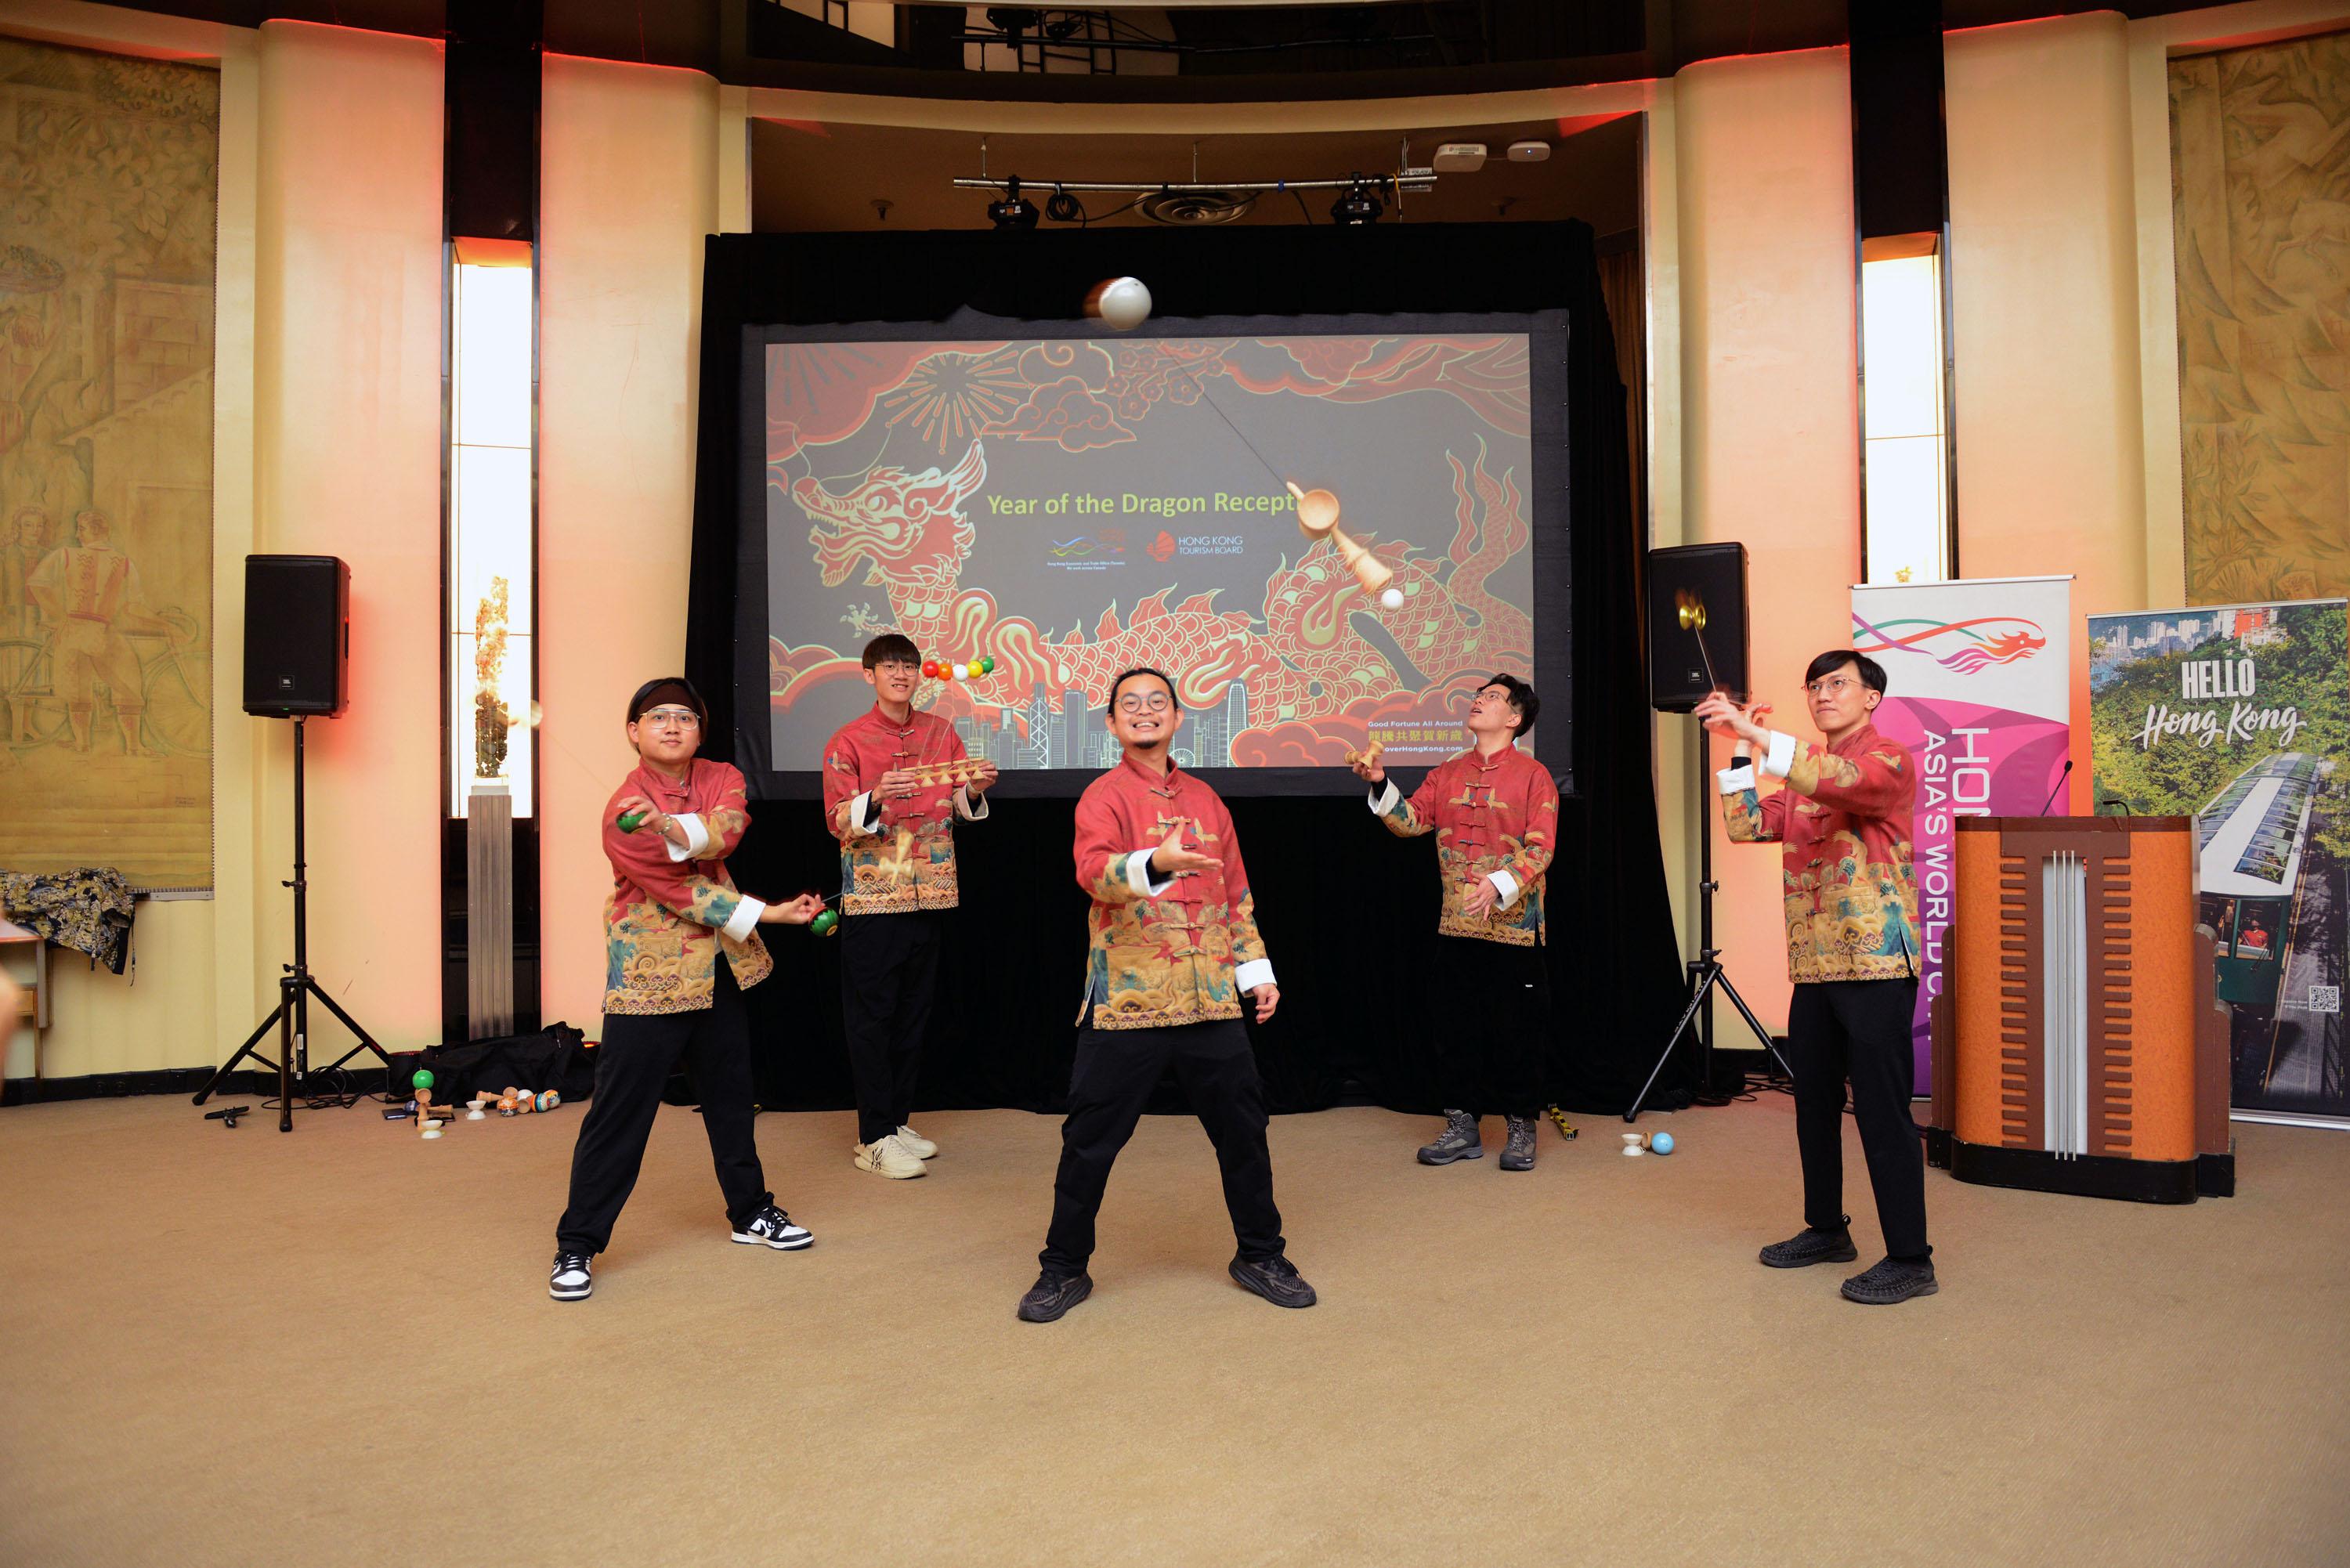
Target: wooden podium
[{"x": 2077, "y": 1045}]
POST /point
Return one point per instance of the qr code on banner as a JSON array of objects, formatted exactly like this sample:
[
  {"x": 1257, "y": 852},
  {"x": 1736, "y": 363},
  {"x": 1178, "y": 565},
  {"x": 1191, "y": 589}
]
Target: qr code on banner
[{"x": 2324, "y": 999}]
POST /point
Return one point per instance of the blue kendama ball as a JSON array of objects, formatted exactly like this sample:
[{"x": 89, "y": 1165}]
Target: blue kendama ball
[{"x": 1662, "y": 1143}]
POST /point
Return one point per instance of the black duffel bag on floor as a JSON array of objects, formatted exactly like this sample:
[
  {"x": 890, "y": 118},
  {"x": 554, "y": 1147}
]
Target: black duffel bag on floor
[{"x": 557, "y": 1057}]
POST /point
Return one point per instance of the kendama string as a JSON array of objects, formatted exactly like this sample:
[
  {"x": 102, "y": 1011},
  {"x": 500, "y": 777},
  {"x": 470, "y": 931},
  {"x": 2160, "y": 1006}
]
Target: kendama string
[{"x": 1217, "y": 408}]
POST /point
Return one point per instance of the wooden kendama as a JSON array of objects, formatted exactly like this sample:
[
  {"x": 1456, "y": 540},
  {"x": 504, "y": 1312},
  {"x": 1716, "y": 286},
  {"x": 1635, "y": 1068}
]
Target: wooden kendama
[
  {"x": 1317, "y": 519},
  {"x": 1370, "y": 754}
]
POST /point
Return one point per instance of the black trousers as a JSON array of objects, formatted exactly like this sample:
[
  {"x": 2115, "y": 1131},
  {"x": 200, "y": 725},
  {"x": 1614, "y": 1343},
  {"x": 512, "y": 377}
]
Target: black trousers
[
  {"x": 1494, "y": 999},
  {"x": 889, "y": 979},
  {"x": 1115, "y": 1073},
  {"x": 639, "y": 1052},
  {"x": 1859, "y": 1030}
]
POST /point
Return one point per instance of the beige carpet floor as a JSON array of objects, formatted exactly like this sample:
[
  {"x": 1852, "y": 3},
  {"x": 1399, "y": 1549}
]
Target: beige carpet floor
[{"x": 239, "y": 1347}]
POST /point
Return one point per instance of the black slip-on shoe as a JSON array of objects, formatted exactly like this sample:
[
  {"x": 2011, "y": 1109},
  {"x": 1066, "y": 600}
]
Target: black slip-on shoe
[
  {"x": 1053, "y": 1294},
  {"x": 1274, "y": 1279},
  {"x": 1808, "y": 1247},
  {"x": 1890, "y": 1281}
]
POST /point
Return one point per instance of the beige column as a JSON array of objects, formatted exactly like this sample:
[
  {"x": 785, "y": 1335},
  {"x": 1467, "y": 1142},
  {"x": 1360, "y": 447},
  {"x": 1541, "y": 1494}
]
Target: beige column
[
  {"x": 2048, "y": 418},
  {"x": 1770, "y": 428},
  {"x": 629, "y": 189},
  {"x": 347, "y": 395}
]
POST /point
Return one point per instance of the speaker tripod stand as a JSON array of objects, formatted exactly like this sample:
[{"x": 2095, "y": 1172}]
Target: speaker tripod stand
[
  {"x": 1705, "y": 971},
  {"x": 291, "y": 1017}
]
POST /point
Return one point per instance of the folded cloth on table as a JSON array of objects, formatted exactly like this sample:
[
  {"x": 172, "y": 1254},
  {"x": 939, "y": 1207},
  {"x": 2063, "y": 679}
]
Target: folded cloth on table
[{"x": 88, "y": 910}]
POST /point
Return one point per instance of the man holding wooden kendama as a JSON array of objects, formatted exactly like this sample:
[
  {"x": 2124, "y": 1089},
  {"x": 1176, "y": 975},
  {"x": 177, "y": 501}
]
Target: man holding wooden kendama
[
  {"x": 1494, "y": 811},
  {"x": 895, "y": 782}
]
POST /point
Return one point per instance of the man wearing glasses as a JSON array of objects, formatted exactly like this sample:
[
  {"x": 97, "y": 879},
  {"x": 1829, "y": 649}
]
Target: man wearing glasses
[
  {"x": 885, "y": 799},
  {"x": 1851, "y": 899},
  {"x": 680, "y": 947},
  {"x": 1494, "y": 811},
  {"x": 1174, "y": 948}
]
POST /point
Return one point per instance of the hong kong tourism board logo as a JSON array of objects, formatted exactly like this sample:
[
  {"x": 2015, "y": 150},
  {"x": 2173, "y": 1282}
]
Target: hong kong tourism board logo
[
  {"x": 1961, "y": 647},
  {"x": 1168, "y": 545}
]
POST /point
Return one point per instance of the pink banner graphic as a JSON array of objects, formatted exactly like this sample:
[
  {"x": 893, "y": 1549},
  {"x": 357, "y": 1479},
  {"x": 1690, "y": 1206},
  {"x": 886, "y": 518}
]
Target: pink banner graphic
[{"x": 1977, "y": 690}]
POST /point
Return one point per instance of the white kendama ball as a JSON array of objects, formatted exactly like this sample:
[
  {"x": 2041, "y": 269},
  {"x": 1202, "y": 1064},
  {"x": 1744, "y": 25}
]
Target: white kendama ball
[
  {"x": 1391, "y": 599},
  {"x": 1123, "y": 302},
  {"x": 963, "y": 672}
]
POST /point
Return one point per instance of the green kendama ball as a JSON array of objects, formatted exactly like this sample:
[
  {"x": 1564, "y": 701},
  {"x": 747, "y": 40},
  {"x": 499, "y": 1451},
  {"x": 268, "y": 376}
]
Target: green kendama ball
[
  {"x": 823, "y": 922},
  {"x": 422, "y": 1080},
  {"x": 987, "y": 664},
  {"x": 631, "y": 820}
]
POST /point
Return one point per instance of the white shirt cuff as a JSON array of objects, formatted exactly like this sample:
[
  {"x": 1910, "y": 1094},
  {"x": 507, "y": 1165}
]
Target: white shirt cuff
[
  {"x": 1736, "y": 781},
  {"x": 697, "y": 837},
  {"x": 1781, "y": 761},
  {"x": 746, "y": 917},
  {"x": 1506, "y": 885},
  {"x": 1253, "y": 974},
  {"x": 969, "y": 806},
  {"x": 865, "y": 814},
  {"x": 1138, "y": 875},
  {"x": 1385, "y": 801}
]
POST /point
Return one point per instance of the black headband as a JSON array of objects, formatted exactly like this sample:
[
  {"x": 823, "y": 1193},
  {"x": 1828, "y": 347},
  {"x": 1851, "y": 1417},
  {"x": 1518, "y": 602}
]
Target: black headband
[{"x": 654, "y": 693}]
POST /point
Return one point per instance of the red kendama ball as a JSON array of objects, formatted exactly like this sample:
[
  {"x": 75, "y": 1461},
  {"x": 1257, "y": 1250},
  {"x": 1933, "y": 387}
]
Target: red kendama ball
[{"x": 930, "y": 667}]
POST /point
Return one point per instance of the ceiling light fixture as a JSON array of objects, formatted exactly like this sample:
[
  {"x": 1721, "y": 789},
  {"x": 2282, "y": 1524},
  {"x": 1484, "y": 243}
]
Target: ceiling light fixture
[
  {"x": 1014, "y": 212},
  {"x": 1360, "y": 205}
]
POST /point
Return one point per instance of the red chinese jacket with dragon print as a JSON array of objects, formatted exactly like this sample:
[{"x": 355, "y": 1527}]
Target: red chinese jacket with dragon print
[
  {"x": 1494, "y": 816},
  {"x": 673, "y": 910},
  {"x": 895, "y": 854},
  {"x": 1180, "y": 950},
  {"x": 1844, "y": 818}
]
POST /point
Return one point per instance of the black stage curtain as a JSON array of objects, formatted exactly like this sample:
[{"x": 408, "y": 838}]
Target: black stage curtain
[{"x": 1348, "y": 913}]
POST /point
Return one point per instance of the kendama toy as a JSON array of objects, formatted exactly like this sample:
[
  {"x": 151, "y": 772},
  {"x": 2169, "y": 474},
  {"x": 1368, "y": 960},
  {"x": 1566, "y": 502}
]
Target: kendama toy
[
  {"x": 429, "y": 1116},
  {"x": 1370, "y": 754},
  {"x": 1317, "y": 519},
  {"x": 962, "y": 771},
  {"x": 629, "y": 821}
]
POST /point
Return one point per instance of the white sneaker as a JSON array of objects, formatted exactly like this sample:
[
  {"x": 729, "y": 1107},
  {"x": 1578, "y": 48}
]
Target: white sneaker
[
  {"x": 916, "y": 1144},
  {"x": 888, "y": 1156}
]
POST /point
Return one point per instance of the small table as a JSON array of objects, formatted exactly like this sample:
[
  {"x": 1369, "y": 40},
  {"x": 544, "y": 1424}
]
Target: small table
[{"x": 34, "y": 1006}]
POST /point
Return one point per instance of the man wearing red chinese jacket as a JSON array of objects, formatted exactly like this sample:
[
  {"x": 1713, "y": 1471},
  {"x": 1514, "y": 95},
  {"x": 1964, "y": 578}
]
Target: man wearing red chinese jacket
[
  {"x": 1494, "y": 811},
  {"x": 1174, "y": 948},
  {"x": 889, "y": 801},
  {"x": 1851, "y": 899}
]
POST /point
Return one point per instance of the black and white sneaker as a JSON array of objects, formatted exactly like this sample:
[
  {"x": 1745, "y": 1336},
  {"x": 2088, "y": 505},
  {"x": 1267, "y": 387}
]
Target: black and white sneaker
[
  {"x": 772, "y": 1226},
  {"x": 572, "y": 1278}
]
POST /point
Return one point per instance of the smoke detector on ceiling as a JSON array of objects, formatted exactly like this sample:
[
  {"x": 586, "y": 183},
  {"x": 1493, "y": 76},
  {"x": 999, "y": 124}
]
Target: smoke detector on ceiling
[
  {"x": 1196, "y": 209},
  {"x": 1529, "y": 152},
  {"x": 1458, "y": 157}
]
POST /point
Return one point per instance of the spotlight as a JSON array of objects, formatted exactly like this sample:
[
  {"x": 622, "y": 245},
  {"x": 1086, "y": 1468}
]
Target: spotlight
[
  {"x": 1359, "y": 205},
  {"x": 1014, "y": 210}
]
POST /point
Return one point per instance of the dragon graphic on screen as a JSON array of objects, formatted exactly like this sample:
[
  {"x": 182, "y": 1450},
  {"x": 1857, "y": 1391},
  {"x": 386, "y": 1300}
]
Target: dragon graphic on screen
[{"x": 1292, "y": 665}]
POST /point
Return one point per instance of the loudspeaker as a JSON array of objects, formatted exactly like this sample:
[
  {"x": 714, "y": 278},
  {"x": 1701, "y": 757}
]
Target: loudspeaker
[
  {"x": 1696, "y": 625},
  {"x": 298, "y": 635}
]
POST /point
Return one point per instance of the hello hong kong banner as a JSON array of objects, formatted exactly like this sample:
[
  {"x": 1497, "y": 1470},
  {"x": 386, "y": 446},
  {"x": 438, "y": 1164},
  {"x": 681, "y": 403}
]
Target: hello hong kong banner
[
  {"x": 2235, "y": 715},
  {"x": 1977, "y": 685}
]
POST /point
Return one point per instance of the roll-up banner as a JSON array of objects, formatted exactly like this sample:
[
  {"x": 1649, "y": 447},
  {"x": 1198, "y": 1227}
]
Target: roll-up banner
[
  {"x": 2235, "y": 715},
  {"x": 1978, "y": 683}
]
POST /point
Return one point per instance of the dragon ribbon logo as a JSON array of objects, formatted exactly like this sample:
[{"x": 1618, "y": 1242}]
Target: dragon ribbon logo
[{"x": 1962, "y": 647}]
